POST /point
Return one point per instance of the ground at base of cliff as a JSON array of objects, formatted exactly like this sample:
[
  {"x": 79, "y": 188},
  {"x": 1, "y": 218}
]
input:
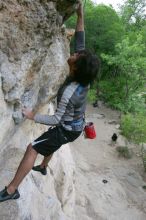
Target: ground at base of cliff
[{"x": 108, "y": 186}]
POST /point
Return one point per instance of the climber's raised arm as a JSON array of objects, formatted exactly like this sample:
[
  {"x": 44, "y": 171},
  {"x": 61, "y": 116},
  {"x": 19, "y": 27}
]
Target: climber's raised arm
[
  {"x": 80, "y": 18},
  {"x": 79, "y": 33}
]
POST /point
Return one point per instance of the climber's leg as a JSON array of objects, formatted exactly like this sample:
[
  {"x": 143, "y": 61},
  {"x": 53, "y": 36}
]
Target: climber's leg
[
  {"x": 42, "y": 168},
  {"x": 46, "y": 161},
  {"x": 23, "y": 169}
]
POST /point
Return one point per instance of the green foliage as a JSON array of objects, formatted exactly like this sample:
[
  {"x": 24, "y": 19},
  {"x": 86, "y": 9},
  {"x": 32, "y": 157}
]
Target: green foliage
[
  {"x": 113, "y": 93},
  {"x": 134, "y": 127},
  {"x": 133, "y": 14},
  {"x": 143, "y": 151},
  {"x": 130, "y": 57},
  {"x": 130, "y": 78},
  {"x": 92, "y": 95},
  {"x": 103, "y": 28},
  {"x": 124, "y": 152}
]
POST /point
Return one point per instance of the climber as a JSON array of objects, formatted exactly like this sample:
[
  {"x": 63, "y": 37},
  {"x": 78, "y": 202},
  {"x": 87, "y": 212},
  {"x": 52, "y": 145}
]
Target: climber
[{"x": 67, "y": 121}]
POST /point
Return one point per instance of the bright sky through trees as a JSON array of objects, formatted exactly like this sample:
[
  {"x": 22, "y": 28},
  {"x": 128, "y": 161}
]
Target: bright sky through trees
[{"x": 114, "y": 3}]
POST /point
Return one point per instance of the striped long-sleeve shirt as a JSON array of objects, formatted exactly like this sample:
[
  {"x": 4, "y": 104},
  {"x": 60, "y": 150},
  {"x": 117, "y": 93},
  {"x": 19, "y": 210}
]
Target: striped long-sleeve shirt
[{"x": 71, "y": 100}]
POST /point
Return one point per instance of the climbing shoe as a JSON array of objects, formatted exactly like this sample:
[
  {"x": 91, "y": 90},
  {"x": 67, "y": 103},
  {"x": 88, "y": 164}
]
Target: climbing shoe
[
  {"x": 4, "y": 195},
  {"x": 38, "y": 168}
]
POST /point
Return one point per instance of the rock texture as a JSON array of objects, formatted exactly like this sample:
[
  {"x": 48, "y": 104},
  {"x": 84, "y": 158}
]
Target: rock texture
[{"x": 33, "y": 53}]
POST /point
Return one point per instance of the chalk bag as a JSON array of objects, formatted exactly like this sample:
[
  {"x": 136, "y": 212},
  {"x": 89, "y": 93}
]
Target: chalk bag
[{"x": 89, "y": 130}]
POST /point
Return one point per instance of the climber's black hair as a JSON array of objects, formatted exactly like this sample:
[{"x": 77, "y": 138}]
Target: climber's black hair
[{"x": 86, "y": 68}]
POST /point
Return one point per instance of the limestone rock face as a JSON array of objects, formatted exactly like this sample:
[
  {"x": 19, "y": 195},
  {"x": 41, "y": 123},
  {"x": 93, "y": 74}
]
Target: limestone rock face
[{"x": 33, "y": 54}]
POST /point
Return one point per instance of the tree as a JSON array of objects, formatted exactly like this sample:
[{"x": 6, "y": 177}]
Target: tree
[
  {"x": 104, "y": 28},
  {"x": 133, "y": 13},
  {"x": 131, "y": 63}
]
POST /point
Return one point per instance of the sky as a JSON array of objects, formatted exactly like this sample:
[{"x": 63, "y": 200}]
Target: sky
[{"x": 114, "y": 3}]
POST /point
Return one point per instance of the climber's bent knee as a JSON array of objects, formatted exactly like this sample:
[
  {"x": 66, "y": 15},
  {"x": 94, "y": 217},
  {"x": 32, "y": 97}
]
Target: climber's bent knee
[{"x": 31, "y": 149}]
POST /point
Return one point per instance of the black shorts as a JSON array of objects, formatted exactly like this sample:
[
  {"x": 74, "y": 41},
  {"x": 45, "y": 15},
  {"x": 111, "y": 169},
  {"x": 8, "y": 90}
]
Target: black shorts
[{"x": 53, "y": 139}]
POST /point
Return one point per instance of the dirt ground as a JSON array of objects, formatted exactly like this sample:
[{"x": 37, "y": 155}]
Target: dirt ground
[{"x": 108, "y": 187}]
